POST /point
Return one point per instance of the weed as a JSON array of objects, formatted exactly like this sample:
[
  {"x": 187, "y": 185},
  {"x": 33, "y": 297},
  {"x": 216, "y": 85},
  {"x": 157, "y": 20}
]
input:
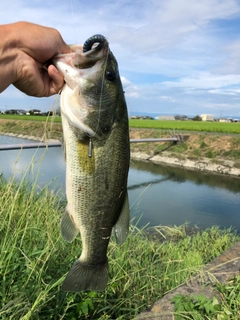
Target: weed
[
  {"x": 180, "y": 147},
  {"x": 210, "y": 154},
  {"x": 235, "y": 143},
  {"x": 195, "y": 307},
  {"x": 199, "y": 307},
  {"x": 232, "y": 153},
  {"x": 34, "y": 260},
  {"x": 196, "y": 153},
  {"x": 203, "y": 145}
]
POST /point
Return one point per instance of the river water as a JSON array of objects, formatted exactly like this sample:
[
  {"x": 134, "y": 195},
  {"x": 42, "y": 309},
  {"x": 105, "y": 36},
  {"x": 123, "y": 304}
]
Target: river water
[{"x": 159, "y": 195}]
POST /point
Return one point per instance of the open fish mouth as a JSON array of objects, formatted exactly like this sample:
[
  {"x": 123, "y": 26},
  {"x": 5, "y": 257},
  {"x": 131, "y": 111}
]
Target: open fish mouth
[
  {"x": 84, "y": 62},
  {"x": 85, "y": 73}
]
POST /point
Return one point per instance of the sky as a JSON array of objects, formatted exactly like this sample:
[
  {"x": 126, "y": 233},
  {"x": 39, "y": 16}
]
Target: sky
[{"x": 175, "y": 57}]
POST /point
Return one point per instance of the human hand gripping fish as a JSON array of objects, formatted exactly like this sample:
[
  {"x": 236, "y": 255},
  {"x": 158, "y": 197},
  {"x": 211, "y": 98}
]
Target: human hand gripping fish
[{"x": 97, "y": 152}]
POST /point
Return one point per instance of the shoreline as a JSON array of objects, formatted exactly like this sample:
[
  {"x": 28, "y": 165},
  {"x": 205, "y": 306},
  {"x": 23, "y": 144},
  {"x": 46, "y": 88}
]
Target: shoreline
[
  {"x": 222, "y": 167},
  {"x": 22, "y": 136}
]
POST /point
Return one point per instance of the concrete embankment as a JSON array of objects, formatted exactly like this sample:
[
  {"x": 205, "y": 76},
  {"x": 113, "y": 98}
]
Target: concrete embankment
[{"x": 226, "y": 167}]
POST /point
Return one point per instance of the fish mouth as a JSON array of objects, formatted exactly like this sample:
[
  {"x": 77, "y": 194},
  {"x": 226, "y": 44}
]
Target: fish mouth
[
  {"x": 81, "y": 69},
  {"x": 82, "y": 58}
]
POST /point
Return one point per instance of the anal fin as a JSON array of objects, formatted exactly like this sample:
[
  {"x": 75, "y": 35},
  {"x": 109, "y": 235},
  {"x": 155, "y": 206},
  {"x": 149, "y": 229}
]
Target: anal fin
[{"x": 121, "y": 228}]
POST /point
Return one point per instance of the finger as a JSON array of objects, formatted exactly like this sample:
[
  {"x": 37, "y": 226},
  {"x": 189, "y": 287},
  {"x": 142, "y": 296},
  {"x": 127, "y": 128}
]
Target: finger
[{"x": 57, "y": 80}]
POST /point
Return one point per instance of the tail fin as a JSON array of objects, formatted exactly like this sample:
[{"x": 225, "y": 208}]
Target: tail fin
[{"x": 86, "y": 277}]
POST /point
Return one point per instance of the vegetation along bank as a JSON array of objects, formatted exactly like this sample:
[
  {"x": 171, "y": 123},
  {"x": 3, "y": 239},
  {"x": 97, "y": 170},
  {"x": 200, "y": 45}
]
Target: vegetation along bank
[
  {"x": 34, "y": 261},
  {"x": 213, "y": 147}
]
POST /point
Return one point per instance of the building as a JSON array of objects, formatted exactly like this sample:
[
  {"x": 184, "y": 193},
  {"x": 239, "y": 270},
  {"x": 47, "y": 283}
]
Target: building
[
  {"x": 224, "y": 120},
  {"x": 165, "y": 118},
  {"x": 207, "y": 117},
  {"x": 15, "y": 111},
  {"x": 34, "y": 112}
]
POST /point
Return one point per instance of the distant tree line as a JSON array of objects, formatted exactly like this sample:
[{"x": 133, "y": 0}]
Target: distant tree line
[
  {"x": 184, "y": 117},
  {"x": 197, "y": 118},
  {"x": 32, "y": 112}
]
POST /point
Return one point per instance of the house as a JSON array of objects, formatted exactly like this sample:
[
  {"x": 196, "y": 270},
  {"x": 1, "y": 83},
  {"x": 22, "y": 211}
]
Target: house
[
  {"x": 224, "y": 120},
  {"x": 165, "y": 118},
  {"x": 34, "y": 112},
  {"x": 207, "y": 117},
  {"x": 15, "y": 111}
]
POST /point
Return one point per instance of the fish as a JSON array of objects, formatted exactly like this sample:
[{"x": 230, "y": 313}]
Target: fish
[{"x": 97, "y": 154}]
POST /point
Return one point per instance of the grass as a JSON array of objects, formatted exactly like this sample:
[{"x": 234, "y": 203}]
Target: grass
[
  {"x": 200, "y": 307},
  {"x": 34, "y": 261},
  {"x": 200, "y": 126}
]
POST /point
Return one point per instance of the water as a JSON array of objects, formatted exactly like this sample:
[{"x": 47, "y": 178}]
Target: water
[{"x": 158, "y": 194}]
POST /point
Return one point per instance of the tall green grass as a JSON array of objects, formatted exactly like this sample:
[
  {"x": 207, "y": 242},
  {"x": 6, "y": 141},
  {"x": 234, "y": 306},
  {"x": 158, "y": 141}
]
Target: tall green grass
[{"x": 34, "y": 261}]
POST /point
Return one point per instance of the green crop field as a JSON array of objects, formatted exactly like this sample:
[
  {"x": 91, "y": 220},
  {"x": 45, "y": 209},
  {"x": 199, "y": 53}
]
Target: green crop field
[
  {"x": 201, "y": 126},
  {"x": 29, "y": 118},
  {"x": 222, "y": 127}
]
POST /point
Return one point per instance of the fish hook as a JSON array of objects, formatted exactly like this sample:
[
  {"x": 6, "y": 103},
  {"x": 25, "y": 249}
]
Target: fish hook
[{"x": 90, "y": 148}]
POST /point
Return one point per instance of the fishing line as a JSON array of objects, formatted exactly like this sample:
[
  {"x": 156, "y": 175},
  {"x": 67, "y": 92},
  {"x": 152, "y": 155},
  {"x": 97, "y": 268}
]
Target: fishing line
[{"x": 74, "y": 28}]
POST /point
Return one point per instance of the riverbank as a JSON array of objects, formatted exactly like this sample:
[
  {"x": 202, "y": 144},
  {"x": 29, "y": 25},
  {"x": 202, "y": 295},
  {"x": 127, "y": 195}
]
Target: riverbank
[
  {"x": 214, "y": 153},
  {"x": 222, "y": 167}
]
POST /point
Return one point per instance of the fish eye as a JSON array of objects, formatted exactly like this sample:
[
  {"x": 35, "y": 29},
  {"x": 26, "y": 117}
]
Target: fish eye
[{"x": 110, "y": 75}]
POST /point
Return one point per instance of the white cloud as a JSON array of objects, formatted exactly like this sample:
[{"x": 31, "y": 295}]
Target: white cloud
[
  {"x": 167, "y": 98},
  {"x": 172, "y": 54},
  {"x": 205, "y": 80},
  {"x": 130, "y": 89}
]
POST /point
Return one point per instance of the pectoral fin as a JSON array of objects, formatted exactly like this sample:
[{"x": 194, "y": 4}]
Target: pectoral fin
[
  {"x": 68, "y": 228},
  {"x": 121, "y": 228}
]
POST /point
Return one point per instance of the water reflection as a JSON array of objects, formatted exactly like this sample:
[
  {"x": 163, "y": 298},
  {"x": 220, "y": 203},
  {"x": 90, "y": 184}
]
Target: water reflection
[
  {"x": 46, "y": 164},
  {"x": 183, "y": 195},
  {"x": 181, "y": 175}
]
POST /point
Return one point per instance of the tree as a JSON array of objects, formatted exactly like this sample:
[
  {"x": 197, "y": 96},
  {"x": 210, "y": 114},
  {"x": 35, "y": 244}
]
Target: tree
[{"x": 197, "y": 118}]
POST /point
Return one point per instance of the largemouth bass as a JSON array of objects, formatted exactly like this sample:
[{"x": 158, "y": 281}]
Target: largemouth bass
[{"x": 96, "y": 142}]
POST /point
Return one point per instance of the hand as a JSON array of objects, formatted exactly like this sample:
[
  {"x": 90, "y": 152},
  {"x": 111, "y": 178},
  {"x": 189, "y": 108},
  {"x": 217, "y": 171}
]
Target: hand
[{"x": 33, "y": 46}]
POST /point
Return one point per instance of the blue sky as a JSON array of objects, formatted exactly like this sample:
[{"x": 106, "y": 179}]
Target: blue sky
[{"x": 175, "y": 57}]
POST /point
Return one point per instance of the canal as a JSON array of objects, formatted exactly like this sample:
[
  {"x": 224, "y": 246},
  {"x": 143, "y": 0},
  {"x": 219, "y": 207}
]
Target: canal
[{"x": 159, "y": 195}]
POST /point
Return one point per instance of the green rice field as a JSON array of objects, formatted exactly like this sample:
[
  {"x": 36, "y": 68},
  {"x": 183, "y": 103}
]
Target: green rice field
[
  {"x": 222, "y": 127},
  {"x": 29, "y": 118},
  {"x": 202, "y": 126}
]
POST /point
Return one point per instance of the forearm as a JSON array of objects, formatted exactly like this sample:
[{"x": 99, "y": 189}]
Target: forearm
[{"x": 8, "y": 55}]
